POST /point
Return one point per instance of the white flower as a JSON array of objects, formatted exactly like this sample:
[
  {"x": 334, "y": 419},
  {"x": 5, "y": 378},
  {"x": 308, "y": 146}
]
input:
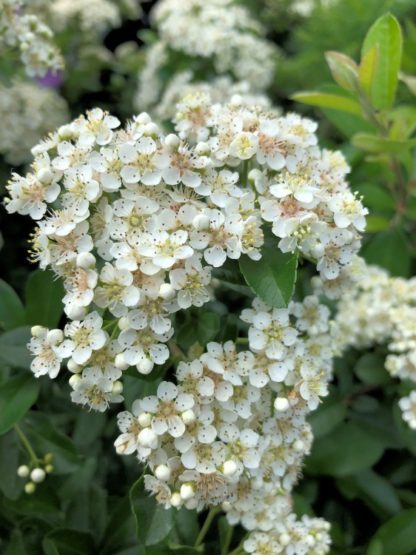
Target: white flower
[
  {"x": 116, "y": 290},
  {"x": 49, "y": 351},
  {"x": 95, "y": 389},
  {"x": 408, "y": 408},
  {"x": 29, "y": 196},
  {"x": 143, "y": 162},
  {"x": 85, "y": 336}
]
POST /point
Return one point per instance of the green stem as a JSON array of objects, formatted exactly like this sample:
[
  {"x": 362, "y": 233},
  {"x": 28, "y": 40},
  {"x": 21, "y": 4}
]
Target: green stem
[
  {"x": 26, "y": 444},
  {"x": 206, "y": 526},
  {"x": 228, "y": 538}
]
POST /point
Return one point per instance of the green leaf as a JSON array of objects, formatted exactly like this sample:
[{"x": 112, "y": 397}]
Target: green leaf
[
  {"x": 370, "y": 369},
  {"x": 10, "y": 484},
  {"x": 386, "y": 36},
  {"x": 17, "y": 395},
  {"x": 327, "y": 417},
  {"x": 12, "y": 312},
  {"x": 368, "y": 68},
  {"x": 153, "y": 523},
  {"x": 397, "y": 536},
  {"x": 185, "y": 549},
  {"x": 345, "y": 451},
  {"x": 13, "y": 348},
  {"x": 44, "y": 295},
  {"x": 375, "y": 548},
  {"x": 379, "y": 145},
  {"x": 377, "y": 492},
  {"x": 16, "y": 544},
  {"x": 208, "y": 325},
  {"x": 328, "y": 100},
  {"x": 344, "y": 70},
  {"x": 69, "y": 542},
  {"x": 389, "y": 249},
  {"x": 273, "y": 277}
]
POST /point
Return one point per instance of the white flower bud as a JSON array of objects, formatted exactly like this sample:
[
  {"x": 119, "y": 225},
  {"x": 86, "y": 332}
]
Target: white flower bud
[
  {"x": 73, "y": 366},
  {"x": 85, "y": 260},
  {"x": 55, "y": 336},
  {"x": 145, "y": 366},
  {"x": 298, "y": 445},
  {"x": 37, "y": 331},
  {"x": 147, "y": 438},
  {"x": 162, "y": 472},
  {"x": 167, "y": 291},
  {"x": 145, "y": 418},
  {"x": 191, "y": 504},
  {"x": 117, "y": 387},
  {"x": 123, "y": 323},
  {"x": 44, "y": 175},
  {"x": 187, "y": 491},
  {"x": 30, "y": 488},
  {"x": 176, "y": 500},
  {"x": 226, "y": 506},
  {"x": 172, "y": 141},
  {"x": 151, "y": 129},
  {"x": 284, "y": 539},
  {"x": 201, "y": 222},
  {"x": 75, "y": 312},
  {"x": 37, "y": 475},
  {"x": 120, "y": 363},
  {"x": 74, "y": 381},
  {"x": 143, "y": 118},
  {"x": 188, "y": 416},
  {"x": 202, "y": 149},
  {"x": 23, "y": 471},
  {"x": 229, "y": 468},
  {"x": 281, "y": 404}
]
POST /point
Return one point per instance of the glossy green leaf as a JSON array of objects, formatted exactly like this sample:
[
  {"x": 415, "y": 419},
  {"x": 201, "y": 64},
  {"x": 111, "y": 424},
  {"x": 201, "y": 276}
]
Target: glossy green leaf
[
  {"x": 397, "y": 536},
  {"x": 344, "y": 70},
  {"x": 208, "y": 325},
  {"x": 377, "y": 492},
  {"x": 370, "y": 369},
  {"x": 16, "y": 544},
  {"x": 328, "y": 416},
  {"x": 13, "y": 348},
  {"x": 345, "y": 451},
  {"x": 386, "y": 36},
  {"x": 379, "y": 145},
  {"x": 153, "y": 522},
  {"x": 273, "y": 277},
  {"x": 367, "y": 69},
  {"x": 69, "y": 542},
  {"x": 389, "y": 249},
  {"x": 17, "y": 395},
  {"x": 328, "y": 100},
  {"x": 44, "y": 295},
  {"x": 12, "y": 312}
]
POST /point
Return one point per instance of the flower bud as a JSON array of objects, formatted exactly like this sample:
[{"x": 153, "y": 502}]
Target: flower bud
[
  {"x": 162, "y": 472},
  {"x": 49, "y": 468},
  {"x": 281, "y": 404},
  {"x": 145, "y": 419},
  {"x": 284, "y": 539},
  {"x": 229, "y": 468},
  {"x": 172, "y": 141},
  {"x": 143, "y": 118},
  {"x": 55, "y": 336},
  {"x": 44, "y": 175},
  {"x": 176, "y": 500},
  {"x": 123, "y": 323},
  {"x": 74, "y": 381},
  {"x": 73, "y": 366},
  {"x": 117, "y": 387},
  {"x": 120, "y": 363},
  {"x": 23, "y": 471},
  {"x": 145, "y": 366},
  {"x": 147, "y": 438},
  {"x": 167, "y": 291},
  {"x": 187, "y": 491},
  {"x": 37, "y": 475},
  {"x": 151, "y": 129},
  {"x": 37, "y": 331},
  {"x": 188, "y": 416},
  {"x": 298, "y": 445},
  {"x": 30, "y": 488},
  {"x": 75, "y": 312},
  {"x": 202, "y": 148},
  {"x": 201, "y": 222}
]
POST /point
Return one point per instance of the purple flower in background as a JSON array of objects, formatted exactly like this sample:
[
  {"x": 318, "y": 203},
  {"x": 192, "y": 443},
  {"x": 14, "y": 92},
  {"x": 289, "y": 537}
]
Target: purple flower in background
[{"x": 51, "y": 79}]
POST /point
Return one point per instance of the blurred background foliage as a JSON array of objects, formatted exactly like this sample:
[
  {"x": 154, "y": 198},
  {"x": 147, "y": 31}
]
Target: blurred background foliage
[{"x": 361, "y": 475}]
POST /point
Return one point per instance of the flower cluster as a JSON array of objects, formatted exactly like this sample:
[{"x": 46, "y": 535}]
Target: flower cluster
[
  {"x": 379, "y": 309},
  {"x": 28, "y": 112},
  {"x": 232, "y": 43},
  {"x": 92, "y": 16},
  {"x": 133, "y": 221},
  {"x": 28, "y": 34},
  {"x": 233, "y": 429}
]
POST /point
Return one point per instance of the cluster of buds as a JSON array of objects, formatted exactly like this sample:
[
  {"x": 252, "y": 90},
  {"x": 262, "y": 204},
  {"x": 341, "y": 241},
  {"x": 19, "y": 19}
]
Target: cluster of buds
[{"x": 36, "y": 472}]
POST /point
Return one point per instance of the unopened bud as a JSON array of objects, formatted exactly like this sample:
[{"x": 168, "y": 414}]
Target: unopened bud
[
  {"x": 143, "y": 118},
  {"x": 49, "y": 468},
  {"x": 30, "y": 488},
  {"x": 74, "y": 381},
  {"x": 298, "y": 445},
  {"x": 44, "y": 175},
  {"x": 85, "y": 260},
  {"x": 147, "y": 438},
  {"x": 23, "y": 471},
  {"x": 117, "y": 388},
  {"x": 172, "y": 141},
  {"x": 176, "y": 500},
  {"x": 145, "y": 366},
  {"x": 37, "y": 475},
  {"x": 281, "y": 404},
  {"x": 73, "y": 366},
  {"x": 145, "y": 418},
  {"x": 162, "y": 472},
  {"x": 187, "y": 491},
  {"x": 188, "y": 416},
  {"x": 55, "y": 336},
  {"x": 284, "y": 539},
  {"x": 123, "y": 323},
  {"x": 75, "y": 312},
  {"x": 37, "y": 331},
  {"x": 120, "y": 363},
  {"x": 167, "y": 291},
  {"x": 201, "y": 222},
  {"x": 229, "y": 468}
]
